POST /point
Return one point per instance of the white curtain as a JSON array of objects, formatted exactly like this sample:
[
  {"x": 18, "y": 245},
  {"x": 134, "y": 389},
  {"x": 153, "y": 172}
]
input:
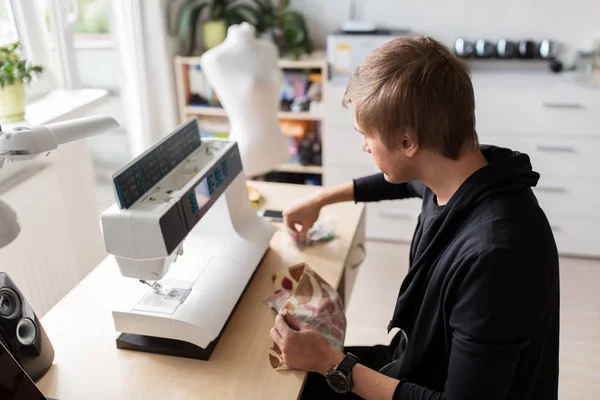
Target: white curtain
[{"x": 146, "y": 52}]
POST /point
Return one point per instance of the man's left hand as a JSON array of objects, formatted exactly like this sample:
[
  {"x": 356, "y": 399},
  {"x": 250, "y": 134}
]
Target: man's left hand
[{"x": 303, "y": 347}]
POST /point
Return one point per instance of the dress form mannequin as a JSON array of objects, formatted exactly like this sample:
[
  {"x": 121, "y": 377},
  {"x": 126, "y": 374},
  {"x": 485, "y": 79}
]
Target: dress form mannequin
[{"x": 244, "y": 74}]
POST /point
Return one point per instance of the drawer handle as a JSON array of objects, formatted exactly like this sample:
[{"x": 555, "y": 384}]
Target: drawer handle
[
  {"x": 553, "y": 189},
  {"x": 572, "y": 106},
  {"x": 556, "y": 148},
  {"x": 361, "y": 247},
  {"x": 394, "y": 214}
]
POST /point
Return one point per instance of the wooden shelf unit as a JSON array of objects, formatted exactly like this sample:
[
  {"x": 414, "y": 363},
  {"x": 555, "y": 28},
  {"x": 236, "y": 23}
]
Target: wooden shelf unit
[
  {"x": 316, "y": 60},
  {"x": 200, "y": 111},
  {"x": 300, "y": 169}
]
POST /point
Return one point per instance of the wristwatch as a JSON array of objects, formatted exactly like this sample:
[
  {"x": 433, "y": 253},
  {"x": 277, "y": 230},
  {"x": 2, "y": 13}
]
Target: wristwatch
[{"x": 339, "y": 378}]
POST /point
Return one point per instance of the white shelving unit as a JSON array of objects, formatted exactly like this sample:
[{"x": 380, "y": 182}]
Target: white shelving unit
[{"x": 316, "y": 60}]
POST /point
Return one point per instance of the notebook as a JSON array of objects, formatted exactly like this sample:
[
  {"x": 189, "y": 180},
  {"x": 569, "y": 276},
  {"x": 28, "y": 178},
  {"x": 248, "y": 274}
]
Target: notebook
[{"x": 15, "y": 384}]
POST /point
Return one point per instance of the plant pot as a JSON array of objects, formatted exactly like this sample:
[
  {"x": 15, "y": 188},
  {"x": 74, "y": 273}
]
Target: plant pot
[
  {"x": 213, "y": 32},
  {"x": 12, "y": 102}
]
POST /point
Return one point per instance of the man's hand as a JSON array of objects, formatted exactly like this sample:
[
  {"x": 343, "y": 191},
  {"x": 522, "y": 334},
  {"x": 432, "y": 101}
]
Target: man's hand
[
  {"x": 301, "y": 217},
  {"x": 303, "y": 347}
]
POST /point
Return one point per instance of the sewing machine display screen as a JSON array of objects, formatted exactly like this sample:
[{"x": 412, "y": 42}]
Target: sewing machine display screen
[
  {"x": 202, "y": 195},
  {"x": 205, "y": 189}
]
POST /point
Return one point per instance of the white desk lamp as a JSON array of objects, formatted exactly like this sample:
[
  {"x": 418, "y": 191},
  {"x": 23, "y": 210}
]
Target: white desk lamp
[{"x": 26, "y": 143}]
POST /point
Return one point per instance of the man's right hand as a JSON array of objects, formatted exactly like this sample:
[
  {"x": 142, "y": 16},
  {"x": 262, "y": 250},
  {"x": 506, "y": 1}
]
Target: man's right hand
[{"x": 301, "y": 217}]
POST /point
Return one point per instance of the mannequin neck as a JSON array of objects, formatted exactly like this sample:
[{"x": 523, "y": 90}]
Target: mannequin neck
[{"x": 240, "y": 34}]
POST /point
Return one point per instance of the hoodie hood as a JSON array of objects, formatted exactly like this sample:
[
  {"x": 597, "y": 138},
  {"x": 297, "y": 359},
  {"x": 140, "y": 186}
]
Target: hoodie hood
[{"x": 507, "y": 172}]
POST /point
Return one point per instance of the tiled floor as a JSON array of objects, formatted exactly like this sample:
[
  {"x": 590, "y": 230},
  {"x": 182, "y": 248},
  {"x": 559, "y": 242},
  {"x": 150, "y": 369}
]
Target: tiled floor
[{"x": 379, "y": 279}]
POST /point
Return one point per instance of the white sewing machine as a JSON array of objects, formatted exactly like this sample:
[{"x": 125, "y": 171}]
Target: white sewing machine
[{"x": 183, "y": 187}]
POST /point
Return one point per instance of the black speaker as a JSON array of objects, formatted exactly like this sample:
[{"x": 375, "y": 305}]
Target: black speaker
[{"x": 21, "y": 332}]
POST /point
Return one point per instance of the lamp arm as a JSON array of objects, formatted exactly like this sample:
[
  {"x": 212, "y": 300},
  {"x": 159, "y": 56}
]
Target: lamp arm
[
  {"x": 76, "y": 129},
  {"x": 26, "y": 143}
]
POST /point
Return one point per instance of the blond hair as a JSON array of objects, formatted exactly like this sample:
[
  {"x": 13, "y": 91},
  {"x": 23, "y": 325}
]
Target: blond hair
[{"x": 415, "y": 84}]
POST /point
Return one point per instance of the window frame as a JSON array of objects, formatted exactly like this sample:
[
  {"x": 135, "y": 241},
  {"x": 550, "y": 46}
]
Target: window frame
[
  {"x": 11, "y": 17},
  {"x": 29, "y": 30}
]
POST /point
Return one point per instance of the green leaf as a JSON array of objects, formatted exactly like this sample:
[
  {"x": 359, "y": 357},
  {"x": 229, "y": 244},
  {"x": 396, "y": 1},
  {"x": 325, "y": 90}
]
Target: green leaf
[
  {"x": 194, "y": 23},
  {"x": 244, "y": 7},
  {"x": 14, "y": 67},
  {"x": 184, "y": 26},
  {"x": 234, "y": 18},
  {"x": 285, "y": 4},
  {"x": 188, "y": 20}
]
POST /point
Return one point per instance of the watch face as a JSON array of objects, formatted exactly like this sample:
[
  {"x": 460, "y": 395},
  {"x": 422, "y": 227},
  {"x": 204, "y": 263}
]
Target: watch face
[{"x": 338, "y": 382}]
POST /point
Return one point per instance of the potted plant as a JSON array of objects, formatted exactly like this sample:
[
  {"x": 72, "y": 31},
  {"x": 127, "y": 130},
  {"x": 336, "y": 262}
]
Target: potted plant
[
  {"x": 220, "y": 15},
  {"x": 15, "y": 72},
  {"x": 288, "y": 27}
]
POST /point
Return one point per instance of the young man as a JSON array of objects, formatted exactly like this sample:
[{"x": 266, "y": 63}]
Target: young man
[{"x": 479, "y": 307}]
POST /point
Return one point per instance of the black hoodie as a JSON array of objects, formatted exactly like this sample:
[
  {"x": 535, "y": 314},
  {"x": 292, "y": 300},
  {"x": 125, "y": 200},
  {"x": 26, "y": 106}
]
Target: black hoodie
[{"x": 479, "y": 307}]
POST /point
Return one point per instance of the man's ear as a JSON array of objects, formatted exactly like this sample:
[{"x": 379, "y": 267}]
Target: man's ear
[{"x": 410, "y": 143}]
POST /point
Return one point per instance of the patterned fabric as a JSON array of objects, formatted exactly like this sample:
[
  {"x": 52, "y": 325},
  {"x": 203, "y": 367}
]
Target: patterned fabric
[{"x": 301, "y": 292}]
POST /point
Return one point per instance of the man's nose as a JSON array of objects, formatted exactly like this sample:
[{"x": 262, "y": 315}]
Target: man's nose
[{"x": 365, "y": 146}]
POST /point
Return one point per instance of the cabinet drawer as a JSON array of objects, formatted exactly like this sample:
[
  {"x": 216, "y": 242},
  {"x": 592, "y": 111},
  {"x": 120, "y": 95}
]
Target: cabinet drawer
[
  {"x": 576, "y": 236},
  {"x": 569, "y": 197},
  {"x": 544, "y": 108},
  {"x": 574, "y": 158},
  {"x": 395, "y": 223},
  {"x": 355, "y": 259}
]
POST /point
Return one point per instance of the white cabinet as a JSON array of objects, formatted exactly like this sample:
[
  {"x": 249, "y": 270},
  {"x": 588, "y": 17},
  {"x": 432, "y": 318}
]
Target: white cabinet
[
  {"x": 550, "y": 117},
  {"x": 545, "y": 105},
  {"x": 568, "y": 157}
]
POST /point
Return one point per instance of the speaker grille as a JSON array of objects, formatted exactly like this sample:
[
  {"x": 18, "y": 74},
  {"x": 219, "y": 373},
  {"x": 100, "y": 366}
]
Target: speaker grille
[{"x": 10, "y": 303}]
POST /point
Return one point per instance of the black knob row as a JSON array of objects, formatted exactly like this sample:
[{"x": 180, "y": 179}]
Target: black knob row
[{"x": 504, "y": 48}]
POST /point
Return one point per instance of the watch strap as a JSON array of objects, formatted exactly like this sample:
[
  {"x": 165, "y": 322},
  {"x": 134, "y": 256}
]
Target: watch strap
[{"x": 347, "y": 364}]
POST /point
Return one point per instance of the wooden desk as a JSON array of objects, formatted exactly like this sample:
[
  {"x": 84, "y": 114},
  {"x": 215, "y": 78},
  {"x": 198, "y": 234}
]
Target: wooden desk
[{"x": 88, "y": 365}]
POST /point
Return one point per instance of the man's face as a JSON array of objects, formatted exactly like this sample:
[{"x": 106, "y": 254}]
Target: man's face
[{"x": 396, "y": 165}]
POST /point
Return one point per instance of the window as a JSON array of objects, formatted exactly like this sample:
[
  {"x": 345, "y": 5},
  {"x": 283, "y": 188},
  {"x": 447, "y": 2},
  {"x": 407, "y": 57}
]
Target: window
[
  {"x": 93, "y": 21},
  {"x": 82, "y": 24},
  {"x": 8, "y": 31},
  {"x": 89, "y": 19},
  {"x": 20, "y": 22}
]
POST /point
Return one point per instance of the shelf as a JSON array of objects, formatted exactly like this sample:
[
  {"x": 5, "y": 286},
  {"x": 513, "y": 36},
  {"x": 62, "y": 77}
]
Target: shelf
[
  {"x": 315, "y": 60},
  {"x": 208, "y": 111},
  {"x": 300, "y": 169},
  {"x": 219, "y": 112},
  {"x": 318, "y": 59},
  {"x": 304, "y": 116}
]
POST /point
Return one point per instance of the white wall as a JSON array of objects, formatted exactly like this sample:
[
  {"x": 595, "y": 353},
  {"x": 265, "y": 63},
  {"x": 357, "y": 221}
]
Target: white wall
[{"x": 573, "y": 22}]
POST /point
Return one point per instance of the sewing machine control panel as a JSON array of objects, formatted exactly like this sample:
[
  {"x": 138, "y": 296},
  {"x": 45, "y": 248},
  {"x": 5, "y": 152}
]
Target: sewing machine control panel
[
  {"x": 142, "y": 174},
  {"x": 177, "y": 181}
]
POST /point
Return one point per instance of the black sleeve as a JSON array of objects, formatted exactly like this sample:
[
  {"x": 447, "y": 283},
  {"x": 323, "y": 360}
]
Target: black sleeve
[
  {"x": 497, "y": 310},
  {"x": 376, "y": 188}
]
